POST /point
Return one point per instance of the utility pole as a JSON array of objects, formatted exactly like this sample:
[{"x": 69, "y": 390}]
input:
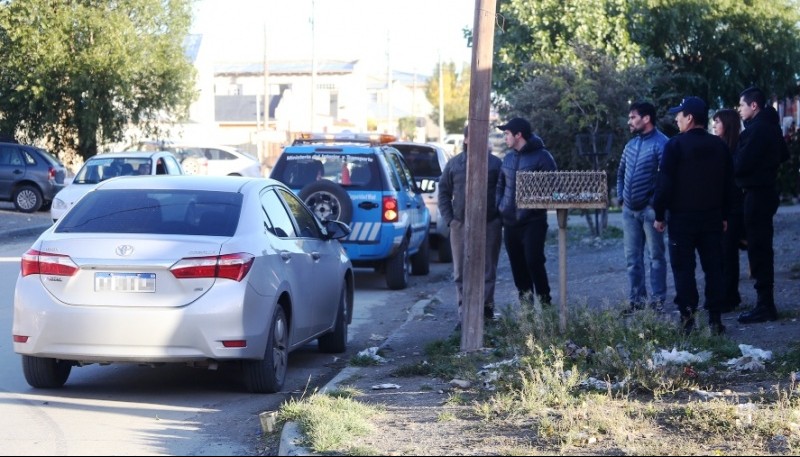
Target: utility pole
[
  {"x": 477, "y": 175},
  {"x": 313, "y": 64},
  {"x": 390, "y": 129},
  {"x": 441, "y": 99}
]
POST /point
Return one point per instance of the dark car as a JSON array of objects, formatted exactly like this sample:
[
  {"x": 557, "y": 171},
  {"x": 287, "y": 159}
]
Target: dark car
[{"x": 29, "y": 176}]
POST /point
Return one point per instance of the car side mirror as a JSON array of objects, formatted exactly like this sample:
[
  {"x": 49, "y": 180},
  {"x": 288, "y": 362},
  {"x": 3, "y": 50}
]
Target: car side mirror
[{"x": 336, "y": 230}]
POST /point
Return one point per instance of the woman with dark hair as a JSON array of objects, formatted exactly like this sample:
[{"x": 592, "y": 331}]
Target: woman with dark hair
[{"x": 728, "y": 125}]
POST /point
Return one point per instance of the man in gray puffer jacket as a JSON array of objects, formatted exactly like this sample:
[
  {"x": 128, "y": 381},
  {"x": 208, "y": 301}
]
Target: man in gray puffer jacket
[
  {"x": 525, "y": 229},
  {"x": 452, "y": 208},
  {"x": 636, "y": 184}
]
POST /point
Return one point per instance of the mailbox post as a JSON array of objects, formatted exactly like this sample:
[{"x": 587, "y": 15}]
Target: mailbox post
[{"x": 561, "y": 191}]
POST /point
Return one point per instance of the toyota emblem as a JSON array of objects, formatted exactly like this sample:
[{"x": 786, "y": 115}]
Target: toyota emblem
[{"x": 124, "y": 250}]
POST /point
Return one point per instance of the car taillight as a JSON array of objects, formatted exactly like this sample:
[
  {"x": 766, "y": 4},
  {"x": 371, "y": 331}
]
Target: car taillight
[
  {"x": 229, "y": 266},
  {"x": 51, "y": 172},
  {"x": 43, "y": 263},
  {"x": 389, "y": 209}
]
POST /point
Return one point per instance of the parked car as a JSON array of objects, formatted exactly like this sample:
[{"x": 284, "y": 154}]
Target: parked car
[
  {"x": 427, "y": 162},
  {"x": 362, "y": 181},
  {"x": 30, "y": 177},
  {"x": 216, "y": 160},
  {"x": 203, "y": 159},
  {"x": 182, "y": 269},
  {"x": 106, "y": 166}
]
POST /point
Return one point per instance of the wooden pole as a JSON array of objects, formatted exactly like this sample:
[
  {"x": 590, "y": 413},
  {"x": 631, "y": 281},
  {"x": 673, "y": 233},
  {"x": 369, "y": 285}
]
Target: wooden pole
[
  {"x": 561, "y": 214},
  {"x": 477, "y": 173}
]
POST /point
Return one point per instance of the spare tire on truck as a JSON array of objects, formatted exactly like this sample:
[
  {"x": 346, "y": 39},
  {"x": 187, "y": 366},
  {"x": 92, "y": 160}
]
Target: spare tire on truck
[{"x": 328, "y": 200}]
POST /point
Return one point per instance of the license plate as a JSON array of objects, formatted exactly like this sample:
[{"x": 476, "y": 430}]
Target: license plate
[{"x": 125, "y": 282}]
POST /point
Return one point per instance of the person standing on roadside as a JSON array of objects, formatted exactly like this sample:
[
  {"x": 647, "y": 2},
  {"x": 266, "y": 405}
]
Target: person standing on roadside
[
  {"x": 452, "y": 207},
  {"x": 727, "y": 126},
  {"x": 694, "y": 185},
  {"x": 525, "y": 229},
  {"x": 636, "y": 184},
  {"x": 760, "y": 152}
]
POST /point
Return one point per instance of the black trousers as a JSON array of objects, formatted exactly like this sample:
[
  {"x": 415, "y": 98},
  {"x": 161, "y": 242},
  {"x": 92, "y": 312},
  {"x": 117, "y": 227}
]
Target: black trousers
[
  {"x": 691, "y": 235},
  {"x": 525, "y": 248},
  {"x": 730, "y": 263},
  {"x": 760, "y": 206}
]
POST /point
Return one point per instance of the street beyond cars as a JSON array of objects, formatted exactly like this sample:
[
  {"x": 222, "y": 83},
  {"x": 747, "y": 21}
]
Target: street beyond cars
[
  {"x": 182, "y": 269},
  {"x": 360, "y": 180},
  {"x": 427, "y": 162},
  {"x": 106, "y": 166},
  {"x": 30, "y": 177}
]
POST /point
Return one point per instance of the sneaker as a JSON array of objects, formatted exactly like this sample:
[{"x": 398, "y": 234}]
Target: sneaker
[
  {"x": 716, "y": 328},
  {"x": 758, "y": 314},
  {"x": 488, "y": 314}
]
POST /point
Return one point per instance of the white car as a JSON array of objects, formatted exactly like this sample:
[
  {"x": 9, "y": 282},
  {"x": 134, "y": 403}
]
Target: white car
[
  {"x": 215, "y": 160},
  {"x": 106, "y": 166},
  {"x": 183, "y": 269}
]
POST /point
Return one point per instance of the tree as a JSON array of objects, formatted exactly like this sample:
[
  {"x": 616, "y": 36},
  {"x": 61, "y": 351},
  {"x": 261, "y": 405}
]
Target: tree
[
  {"x": 78, "y": 73},
  {"x": 717, "y": 49},
  {"x": 546, "y": 30},
  {"x": 456, "y": 95}
]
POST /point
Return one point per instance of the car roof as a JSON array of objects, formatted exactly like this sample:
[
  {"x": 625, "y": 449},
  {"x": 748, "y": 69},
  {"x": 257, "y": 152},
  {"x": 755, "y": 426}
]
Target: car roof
[
  {"x": 129, "y": 155},
  {"x": 189, "y": 182},
  {"x": 343, "y": 148}
]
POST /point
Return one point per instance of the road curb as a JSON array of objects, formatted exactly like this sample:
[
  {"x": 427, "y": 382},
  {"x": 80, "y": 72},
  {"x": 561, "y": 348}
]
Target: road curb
[{"x": 292, "y": 436}]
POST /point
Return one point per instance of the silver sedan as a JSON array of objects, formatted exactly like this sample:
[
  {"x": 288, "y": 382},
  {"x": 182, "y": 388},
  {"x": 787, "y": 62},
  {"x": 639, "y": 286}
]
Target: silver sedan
[{"x": 182, "y": 269}]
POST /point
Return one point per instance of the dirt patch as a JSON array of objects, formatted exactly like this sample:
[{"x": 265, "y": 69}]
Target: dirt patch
[{"x": 429, "y": 416}]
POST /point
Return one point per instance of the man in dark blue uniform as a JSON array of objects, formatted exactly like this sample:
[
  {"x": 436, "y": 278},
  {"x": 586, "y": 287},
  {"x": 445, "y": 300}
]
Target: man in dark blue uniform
[
  {"x": 694, "y": 185},
  {"x": 761, "y": 149}
]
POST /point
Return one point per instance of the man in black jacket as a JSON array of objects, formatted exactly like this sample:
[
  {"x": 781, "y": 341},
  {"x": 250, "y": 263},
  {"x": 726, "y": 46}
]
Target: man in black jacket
[
  {"x": 524, "y": 229},
  {"x": 694, "y": 185},
  {"x": 761, "y": 149}
]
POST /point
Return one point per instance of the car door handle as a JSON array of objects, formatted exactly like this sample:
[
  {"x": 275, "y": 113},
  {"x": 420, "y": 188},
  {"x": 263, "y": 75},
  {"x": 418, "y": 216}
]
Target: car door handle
[
  {"x": 367, "y": 205},
  {"x": 17, "y": 171},
  {"x": 286, "y": 256},
  {"x": 316, "y": 255}
]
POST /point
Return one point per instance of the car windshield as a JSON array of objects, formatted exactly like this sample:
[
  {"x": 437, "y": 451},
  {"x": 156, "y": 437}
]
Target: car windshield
[
  {"x": 356, "y": 171},
  {"x": 99, "y": 169},
  {"x": 423, "y": 161},
  {"x": 178, "y": 212}
]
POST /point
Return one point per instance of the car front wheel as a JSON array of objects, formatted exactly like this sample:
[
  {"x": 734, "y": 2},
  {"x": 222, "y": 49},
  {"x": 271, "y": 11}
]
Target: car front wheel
[
  {"x": 45, "y": 373},
  {"x": 268, "y": 375},
  {"x": 397, "y": 268}
]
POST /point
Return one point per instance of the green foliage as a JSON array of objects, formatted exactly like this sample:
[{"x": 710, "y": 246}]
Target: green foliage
[
  {"x": 588, "y": 96},
  {"x": 456, "y": 95},
  {"x": 78, "y": 73},
  {"x": 716, "y": 49}
]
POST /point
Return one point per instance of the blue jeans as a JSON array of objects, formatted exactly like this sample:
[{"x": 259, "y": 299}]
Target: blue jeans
[{"x": 638, "y": 231}]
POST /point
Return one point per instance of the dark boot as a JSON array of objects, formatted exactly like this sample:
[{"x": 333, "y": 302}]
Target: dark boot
[
  {"x": 764, "y": 310},
  {"x": 687, "y": 321},
  {"x": 488, "y": 312},
  {"x": 715, "y": 323}
]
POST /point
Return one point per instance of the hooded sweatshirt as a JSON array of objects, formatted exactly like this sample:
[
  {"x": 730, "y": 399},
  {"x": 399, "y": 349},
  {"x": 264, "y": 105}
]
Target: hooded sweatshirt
[{"x": 532, "y": 157}]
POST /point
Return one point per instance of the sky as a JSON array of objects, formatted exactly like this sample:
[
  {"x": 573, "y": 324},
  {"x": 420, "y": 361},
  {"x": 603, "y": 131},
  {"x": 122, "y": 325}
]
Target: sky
[{"x": 414, "y": 32}]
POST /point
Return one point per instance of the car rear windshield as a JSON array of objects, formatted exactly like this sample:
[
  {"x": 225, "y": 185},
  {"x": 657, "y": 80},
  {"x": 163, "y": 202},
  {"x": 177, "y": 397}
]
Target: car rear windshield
[
  {"x": 423, "y": 162},
  {"x": 352, "y": 171},
  {"x": 174, "y": 212}
]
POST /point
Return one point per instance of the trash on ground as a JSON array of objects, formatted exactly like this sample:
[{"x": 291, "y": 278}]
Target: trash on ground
[
  {"x": 676, "y": 357},
  {"x": 373, "y": 354},
  {"x": 460, "y": 383},
  {"x": 752, "y": 359},
  {"x": 385, "y": 386}
]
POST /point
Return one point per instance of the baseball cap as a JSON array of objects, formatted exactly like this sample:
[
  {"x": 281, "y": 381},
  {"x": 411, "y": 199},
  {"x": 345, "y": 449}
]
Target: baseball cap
[
  {"x": 517, "y": 125},
  {"x": 691, "y": 105}
]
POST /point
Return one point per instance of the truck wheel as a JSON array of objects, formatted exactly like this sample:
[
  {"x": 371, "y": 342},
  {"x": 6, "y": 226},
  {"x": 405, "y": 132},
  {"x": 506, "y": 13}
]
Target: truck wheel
[{"x": 328, "y": 200}]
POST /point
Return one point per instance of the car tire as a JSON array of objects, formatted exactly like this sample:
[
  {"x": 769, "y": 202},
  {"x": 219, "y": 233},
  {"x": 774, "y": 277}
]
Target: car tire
[
  {"x": 267, "y": 376},
  {"x": 328, "y": 200},
  {"x": 45, "y": 373},
  {"x": 397, "y": 268},
  {"x": 28, "y": 199},
  {"x": 445, "y": 250},
  {"x": 336, "y": 341},
  {"x": 421, "y": 261}
]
